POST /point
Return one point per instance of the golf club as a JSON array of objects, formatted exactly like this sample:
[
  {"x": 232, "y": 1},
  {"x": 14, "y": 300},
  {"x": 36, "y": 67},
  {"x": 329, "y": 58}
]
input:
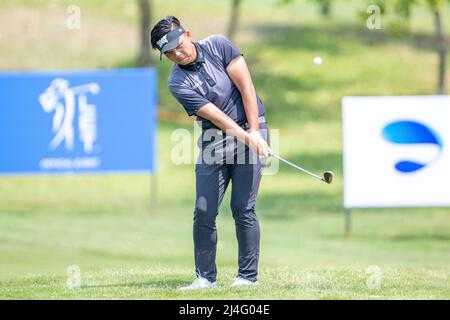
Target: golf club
[{"x": 327, "y": 175}]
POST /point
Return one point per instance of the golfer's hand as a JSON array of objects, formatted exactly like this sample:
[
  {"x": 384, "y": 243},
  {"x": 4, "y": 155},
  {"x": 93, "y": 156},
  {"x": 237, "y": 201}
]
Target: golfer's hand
[{"x": 258, "y": 144}]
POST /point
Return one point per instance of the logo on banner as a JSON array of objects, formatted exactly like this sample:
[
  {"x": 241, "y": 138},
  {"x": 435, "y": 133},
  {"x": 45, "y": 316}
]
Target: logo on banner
[
  {"x": 414, "y": 134},
  {"x": 69, "y": 104}
]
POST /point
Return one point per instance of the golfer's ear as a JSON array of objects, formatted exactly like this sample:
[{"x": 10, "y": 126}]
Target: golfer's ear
[{"x": 188, "y": 34}]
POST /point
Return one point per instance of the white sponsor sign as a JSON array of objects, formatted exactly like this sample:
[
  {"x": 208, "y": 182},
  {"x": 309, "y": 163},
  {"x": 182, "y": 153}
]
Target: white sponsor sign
[{"x": 396, "y": 151}]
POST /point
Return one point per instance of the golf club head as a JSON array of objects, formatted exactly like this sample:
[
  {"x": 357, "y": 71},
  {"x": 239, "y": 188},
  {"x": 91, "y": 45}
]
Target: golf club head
[{"x": 328, "y": 176}]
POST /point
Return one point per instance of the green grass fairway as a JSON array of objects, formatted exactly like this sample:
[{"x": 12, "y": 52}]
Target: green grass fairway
[
  {"x": 129, "y": 248},
  {"x": 103, "y": 224}
]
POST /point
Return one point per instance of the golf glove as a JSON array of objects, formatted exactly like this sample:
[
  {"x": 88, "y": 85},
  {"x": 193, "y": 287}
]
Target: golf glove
[{"x": 258, "y": 144}]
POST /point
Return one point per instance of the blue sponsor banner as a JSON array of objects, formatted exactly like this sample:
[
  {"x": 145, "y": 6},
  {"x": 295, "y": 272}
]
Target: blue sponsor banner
[{"x": 78, "y": 121}]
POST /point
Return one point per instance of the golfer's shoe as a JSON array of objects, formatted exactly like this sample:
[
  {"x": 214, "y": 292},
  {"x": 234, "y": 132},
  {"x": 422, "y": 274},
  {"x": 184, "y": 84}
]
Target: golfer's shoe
[
  {"x": 199, "y": 283},
  {"x": 241, "y": 282}
]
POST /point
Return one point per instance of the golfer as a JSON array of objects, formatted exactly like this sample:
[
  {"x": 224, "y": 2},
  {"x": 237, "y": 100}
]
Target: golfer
[{"x": 211, "y": 80}]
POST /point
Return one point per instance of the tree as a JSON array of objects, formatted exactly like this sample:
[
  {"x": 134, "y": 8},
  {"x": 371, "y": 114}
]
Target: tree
[
  {"x": 436, "y": 6},
  {"x": 145, "y": 59},
  {"x": 325, "y": 6},
  {"x": 232, "y": 26},
  {"x": 403, "y": 8}
]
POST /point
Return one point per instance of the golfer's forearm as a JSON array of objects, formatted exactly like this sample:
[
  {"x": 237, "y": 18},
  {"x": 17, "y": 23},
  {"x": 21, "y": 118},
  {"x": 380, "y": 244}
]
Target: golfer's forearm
[
  {"x": 250, "y": 106},
  {"x": 223, "y": 122},
  {"x": 240, "y": 75}
]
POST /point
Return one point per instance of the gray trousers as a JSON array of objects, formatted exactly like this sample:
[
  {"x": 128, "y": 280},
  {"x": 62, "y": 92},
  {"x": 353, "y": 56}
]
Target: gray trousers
[{"x": 212, "y": 180}]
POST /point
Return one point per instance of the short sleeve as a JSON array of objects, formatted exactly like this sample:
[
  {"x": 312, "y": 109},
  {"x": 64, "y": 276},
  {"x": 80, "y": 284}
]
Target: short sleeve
[
  {"x": 190, "y": 99},
  {"x": 227, "y": 50}
]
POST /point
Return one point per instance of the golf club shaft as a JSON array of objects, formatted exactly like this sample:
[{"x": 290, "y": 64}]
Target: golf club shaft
[{"x": 297, "y": 167}]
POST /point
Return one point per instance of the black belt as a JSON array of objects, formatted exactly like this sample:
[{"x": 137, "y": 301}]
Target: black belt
[
  {"x": 261, "y": 119},
  {"x": 245, "y": 125}
]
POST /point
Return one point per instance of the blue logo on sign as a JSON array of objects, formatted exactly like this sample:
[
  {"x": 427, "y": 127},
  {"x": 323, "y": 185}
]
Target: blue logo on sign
[{"x": 411, "y": 132}]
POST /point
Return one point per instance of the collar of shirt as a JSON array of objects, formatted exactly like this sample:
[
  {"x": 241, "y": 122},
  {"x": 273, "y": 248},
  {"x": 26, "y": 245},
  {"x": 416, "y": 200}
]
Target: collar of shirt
[{"x": 200, "y": 59}]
